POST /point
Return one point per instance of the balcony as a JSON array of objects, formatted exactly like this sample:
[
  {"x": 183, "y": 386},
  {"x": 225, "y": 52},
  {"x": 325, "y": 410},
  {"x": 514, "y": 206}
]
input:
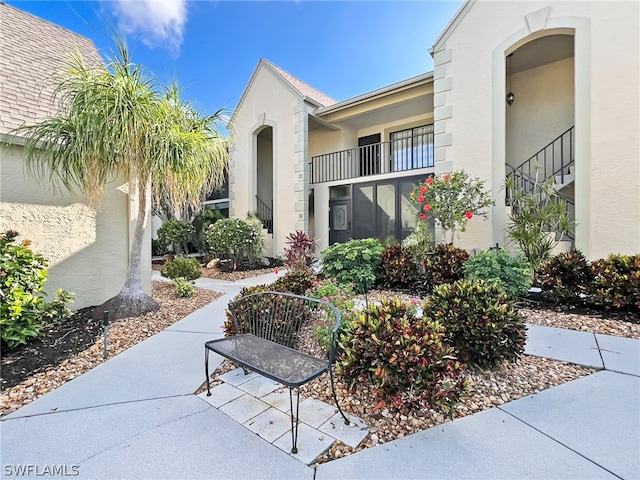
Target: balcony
[{"x": 398, "y": 155}]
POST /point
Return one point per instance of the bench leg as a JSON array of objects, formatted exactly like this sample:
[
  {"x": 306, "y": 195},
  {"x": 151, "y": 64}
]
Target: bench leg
[
  {"x": 206, "y": 370},
  {"x": 335, "y": 398},
  {"x": 294, "y": 419}
]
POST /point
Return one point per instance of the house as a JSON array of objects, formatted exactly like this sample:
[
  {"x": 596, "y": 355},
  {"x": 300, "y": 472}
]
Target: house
[
  {"x": 87, "y": 249},
  {"x": 342, "y": 170}
]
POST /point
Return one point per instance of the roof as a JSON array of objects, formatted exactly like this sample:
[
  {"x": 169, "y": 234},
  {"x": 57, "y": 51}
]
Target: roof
[
  {"x": 304, "y": 89},
  {"x": 33, "y": 52}
]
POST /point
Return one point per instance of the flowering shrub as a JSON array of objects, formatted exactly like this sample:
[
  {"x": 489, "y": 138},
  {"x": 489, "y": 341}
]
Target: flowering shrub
[
  {"x": 452, "y": 199},
  {"x": 340, "y": 296},
  {"x": 176, "y": 234},
  {"x": 233, "y": 237}
]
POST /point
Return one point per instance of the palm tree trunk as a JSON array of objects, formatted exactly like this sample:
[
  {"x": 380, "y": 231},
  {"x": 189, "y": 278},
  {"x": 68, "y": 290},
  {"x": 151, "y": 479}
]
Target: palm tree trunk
[{"x": 132, "y": 301}]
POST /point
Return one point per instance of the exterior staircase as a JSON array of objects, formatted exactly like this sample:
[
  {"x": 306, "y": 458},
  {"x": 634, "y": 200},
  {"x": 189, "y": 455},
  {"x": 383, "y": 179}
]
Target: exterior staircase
[{"x": 554, "y": 161}]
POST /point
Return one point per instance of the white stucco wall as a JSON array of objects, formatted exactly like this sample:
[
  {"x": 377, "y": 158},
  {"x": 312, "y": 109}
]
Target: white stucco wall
[
  {"x": 87, "y": 249},
  {"x": 470, "y": 110},
  {"x": 269, "y": 102}
]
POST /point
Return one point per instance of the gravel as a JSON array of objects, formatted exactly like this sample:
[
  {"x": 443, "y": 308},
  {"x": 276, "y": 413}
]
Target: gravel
[{"x": 488, "y": 389}]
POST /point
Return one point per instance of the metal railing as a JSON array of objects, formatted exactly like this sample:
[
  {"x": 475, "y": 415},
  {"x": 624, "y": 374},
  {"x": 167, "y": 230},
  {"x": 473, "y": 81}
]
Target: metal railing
[
  {"x": 265, "y": 213},
  {"x": 553, "y": 160},
  {"x": 397, "y": 155}
]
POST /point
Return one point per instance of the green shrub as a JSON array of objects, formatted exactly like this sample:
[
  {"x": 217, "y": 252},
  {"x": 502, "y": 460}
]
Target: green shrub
[
  {"x": 57, "y": 310},
  {"x": 405, "y": 357},
  {"x": 496, "y": 265},
  {"x": 295, "y": 281},
  {"x": 298, "y": 253},
  {"x": 340, "y": 296},
  {"x": 445, "y": 265},
  {"x": 397, "y": 268},
  {"x": 23, "y": 309},
  {"x": 616, "y": 282},
  {"x": 419, "y": 243},
  {"x": 565, "y": 277},
  {"x": 233, "y": 237},
  {"x": 353, "y": 262},
  {"x": 176, "y": 234},
  {"x": 182, "y": 287},
  {"x": 188, "y": 268},
  {"x": 480, "y": 321}
]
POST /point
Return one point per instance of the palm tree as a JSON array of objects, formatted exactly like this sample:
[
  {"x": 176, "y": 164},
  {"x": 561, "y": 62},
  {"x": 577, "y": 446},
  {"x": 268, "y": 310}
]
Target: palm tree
[{"x": 117, "y": 121}]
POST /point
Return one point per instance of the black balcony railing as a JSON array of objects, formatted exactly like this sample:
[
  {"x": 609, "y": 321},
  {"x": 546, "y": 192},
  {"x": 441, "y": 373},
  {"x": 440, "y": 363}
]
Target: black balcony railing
[{"x": 398, "y": 155}]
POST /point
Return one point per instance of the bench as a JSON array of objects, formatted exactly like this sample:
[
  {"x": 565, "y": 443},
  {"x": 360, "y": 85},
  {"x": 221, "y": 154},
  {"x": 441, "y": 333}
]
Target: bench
[{"x": 265, "y": 340}]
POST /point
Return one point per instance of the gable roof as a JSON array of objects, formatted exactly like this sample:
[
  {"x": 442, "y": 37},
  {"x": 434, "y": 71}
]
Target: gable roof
[
  {"x": 33, "y": 52},
  {"x": 304, "y": 89},
  {"x": 451, "y": 26}
]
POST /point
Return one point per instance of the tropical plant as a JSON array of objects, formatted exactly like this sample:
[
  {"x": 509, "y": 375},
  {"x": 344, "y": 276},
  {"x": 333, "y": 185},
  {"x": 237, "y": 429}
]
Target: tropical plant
[
  {"x": 295, "y": 281},
  {"x": 452, "y": 199},
  {"x": 616, "y": 282},
  {"x": 480, "y": 321},
  {"x": 119, "y": 122},
  {"x": 176, "y": 234},
  {"x": 538, "y": 220},
  {"x": 298, "y": 252},
  {"x": 406, "y": 357},
  {"x": 445, "y": 265},
  {"x": 512, "y": 274},
  {"x": 355, "y": 261},
  {"x": 397, "y": 267},
  {"x": 565, "y": 278},
  {"x": 419, "y": 244}
]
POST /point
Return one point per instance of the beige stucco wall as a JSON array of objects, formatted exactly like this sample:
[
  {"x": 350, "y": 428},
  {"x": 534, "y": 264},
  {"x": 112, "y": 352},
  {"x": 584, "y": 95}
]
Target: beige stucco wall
[
  {"x": 87, "y": 249},
  {"x": 470, "y": 110},
  {"x": 269, "y": 102}
]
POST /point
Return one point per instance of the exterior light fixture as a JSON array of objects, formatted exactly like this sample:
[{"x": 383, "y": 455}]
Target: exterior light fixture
[{"x": 510, "y": 96}]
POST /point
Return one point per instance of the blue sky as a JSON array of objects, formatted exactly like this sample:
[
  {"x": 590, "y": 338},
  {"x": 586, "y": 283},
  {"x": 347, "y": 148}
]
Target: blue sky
[{"x": 342, "y": 48}]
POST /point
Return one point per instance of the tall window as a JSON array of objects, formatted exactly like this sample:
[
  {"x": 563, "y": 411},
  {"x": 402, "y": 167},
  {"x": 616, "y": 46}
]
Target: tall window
[{"x": 412, "y": 148}]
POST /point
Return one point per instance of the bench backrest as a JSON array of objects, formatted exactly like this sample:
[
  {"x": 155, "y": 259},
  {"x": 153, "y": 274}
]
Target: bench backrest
[{"x": 278, "y": 317}]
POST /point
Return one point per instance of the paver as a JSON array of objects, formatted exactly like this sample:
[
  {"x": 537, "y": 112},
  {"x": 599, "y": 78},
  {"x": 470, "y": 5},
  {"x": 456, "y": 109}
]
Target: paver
[
  {"x": 270, "y": 424},
  {"x": 222, "y": 394},
  {"x": 620, "y": 354},
  {"x": 244, "y": 408},
  {"x": 565, "y": 345},
  {"x": 311, "y": 444}
]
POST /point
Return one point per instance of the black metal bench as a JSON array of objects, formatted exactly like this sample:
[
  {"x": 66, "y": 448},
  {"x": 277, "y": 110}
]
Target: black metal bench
[{"x": 266, "y": 330}]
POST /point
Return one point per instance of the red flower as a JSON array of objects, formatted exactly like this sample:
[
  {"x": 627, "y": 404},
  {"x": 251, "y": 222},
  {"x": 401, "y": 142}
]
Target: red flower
[
  {"x": 276, "y": 270},
  {"x": 427, "y": 207},
  {"x": 421, "y": 198},
  {"x": 446, "y": 178},
  {"x": 468, "y": 214},
  {"x": 423, "y": 189},
  {"x": 423, "y": 216},
  {"x": 429, "y": 180}
]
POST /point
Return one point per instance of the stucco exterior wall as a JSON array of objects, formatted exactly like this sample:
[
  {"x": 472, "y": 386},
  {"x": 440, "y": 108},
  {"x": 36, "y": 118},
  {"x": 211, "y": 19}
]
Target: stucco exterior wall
[
  {"x": 269, "y": 102},
  {"x": 470, "y": 110},
  {"x": 87, "y": 249}
]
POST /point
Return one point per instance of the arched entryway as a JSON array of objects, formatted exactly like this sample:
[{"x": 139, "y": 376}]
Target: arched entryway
[
  {"x": 264, "y": 177},
  {"x": 540, "y": 114}
]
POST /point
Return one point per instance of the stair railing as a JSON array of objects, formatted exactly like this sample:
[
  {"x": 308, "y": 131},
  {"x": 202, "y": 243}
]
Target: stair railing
[{"x": 265, "y": 213}]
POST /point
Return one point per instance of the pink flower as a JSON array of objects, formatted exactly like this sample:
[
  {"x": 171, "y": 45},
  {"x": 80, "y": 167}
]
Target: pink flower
[
  {"x": 421, "y": 198},
  {"x": 315, "y": 283},
  {"x": 423, "y": 216},
  {"x": 276, "y": 270},
  {"x": 325, "y": 299},
  {"x": 468, "y": 214},
  {"x": 430, "y": 180},
  {"x": 446, "y": 178},
  {"x": 235, "y": 266},
  {"x": 423, "y": 189},
  {"x": 427, "y": 207}
]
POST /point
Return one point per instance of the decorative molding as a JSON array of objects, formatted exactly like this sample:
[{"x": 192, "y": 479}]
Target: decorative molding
[{"x": 538, "y": 20}]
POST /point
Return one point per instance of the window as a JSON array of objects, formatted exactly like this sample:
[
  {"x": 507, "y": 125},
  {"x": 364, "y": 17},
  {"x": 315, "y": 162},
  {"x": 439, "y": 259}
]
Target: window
[{"x": 412, "y": 148}]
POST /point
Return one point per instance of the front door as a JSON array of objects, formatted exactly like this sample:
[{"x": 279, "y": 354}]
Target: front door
[
  {"x": 339, "y": 221},
  {"x": 369, "y": 149}
]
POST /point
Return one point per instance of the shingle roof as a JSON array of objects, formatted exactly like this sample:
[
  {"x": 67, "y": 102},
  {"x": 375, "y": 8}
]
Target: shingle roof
[
  {"x": 303, "y": 88},
  {"x": 32, "y": 52}
]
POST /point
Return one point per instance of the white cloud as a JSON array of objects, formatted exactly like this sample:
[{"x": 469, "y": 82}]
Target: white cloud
[{"x": 160, "y": 23}]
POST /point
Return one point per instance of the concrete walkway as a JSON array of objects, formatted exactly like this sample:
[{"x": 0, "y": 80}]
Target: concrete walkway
[{"x": 136, "y": 417}]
